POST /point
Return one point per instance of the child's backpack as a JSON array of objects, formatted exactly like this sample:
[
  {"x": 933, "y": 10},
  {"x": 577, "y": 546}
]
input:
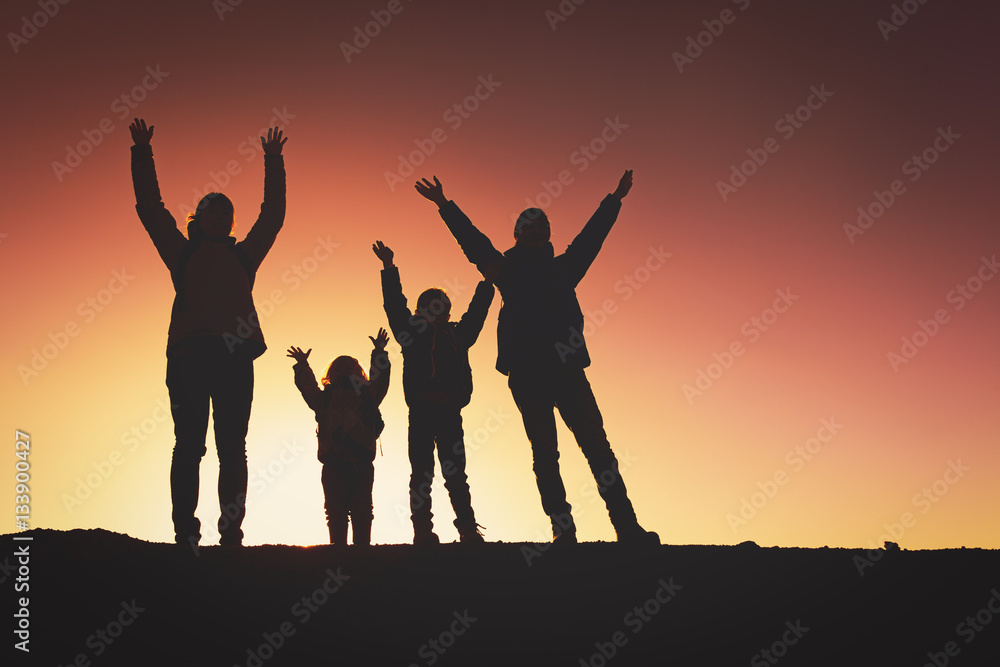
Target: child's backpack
[{"x": 351, "y": 422}]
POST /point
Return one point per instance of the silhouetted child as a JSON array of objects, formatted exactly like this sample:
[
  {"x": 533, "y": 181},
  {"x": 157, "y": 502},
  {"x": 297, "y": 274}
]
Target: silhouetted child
[
  {"x": 437, "y": 384},
  {"x": 348, "y": 422}
]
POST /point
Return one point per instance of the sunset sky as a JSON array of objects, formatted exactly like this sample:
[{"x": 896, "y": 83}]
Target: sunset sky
[{"x": 793, "y": 324}]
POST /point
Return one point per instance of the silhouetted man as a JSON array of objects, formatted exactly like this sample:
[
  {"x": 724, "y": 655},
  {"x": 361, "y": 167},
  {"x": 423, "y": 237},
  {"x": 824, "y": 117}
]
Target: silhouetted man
[
  {"x": 214, "y": 333},
  {"x": 541, "y": 349}
]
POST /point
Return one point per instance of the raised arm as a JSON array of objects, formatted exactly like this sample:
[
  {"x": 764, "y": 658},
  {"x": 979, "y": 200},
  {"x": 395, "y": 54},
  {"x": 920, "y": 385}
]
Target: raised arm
[
  {"x": 477, "y": 246},
  {"x": 378, "y": 371},
  {"x": 471, "y": 324},
  {"x": 159, "y": 224},
  {"x": 261, "y": 236},
  {"x": 393, "y": 300},
  {"x": 305, "y": 380},
  {"x": 583, "y": 250}
]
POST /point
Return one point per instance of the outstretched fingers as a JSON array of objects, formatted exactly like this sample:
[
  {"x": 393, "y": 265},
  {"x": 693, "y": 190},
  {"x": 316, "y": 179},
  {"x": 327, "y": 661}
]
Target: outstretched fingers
[
  {"x": 381, "y": 340},
  {"x": 140, "y": 133},
  {"x": 274, "y": 141},
  {"x": 383, "y": 252},
  {"x": 432, "y": 191}
]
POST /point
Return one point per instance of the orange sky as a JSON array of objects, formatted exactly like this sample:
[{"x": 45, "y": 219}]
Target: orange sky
[{"x": 712, "y": 398}]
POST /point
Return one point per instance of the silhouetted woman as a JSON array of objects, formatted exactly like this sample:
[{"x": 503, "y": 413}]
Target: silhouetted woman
[{"x": 214, "y": 333}]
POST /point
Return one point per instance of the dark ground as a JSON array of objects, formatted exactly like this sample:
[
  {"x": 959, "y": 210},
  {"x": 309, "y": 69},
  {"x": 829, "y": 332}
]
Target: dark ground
[{"x": 101, "y": 598}]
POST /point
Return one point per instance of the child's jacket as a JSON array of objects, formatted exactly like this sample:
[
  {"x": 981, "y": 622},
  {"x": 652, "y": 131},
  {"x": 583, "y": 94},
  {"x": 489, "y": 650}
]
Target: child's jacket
[
  {"x": 348, "y": 421},
  {"x": 436, "y": 366}
]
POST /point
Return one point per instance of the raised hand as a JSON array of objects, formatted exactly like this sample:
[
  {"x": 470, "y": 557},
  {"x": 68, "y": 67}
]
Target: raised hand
[
  {"x": 140, "y": 133},
  {"x": 432, "y": 191},
  {"x": 298, "y": 355},
  {"x": 381, "y": 340},
  {"x": 383, "y": 252},
  {"x": 624, "y": 185},
  {"x": 274, "y": 142}
]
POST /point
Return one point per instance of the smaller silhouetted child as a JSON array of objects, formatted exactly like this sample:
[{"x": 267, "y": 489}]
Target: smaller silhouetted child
[
  {"x": 348, "y": 423},
  {"x": 437, "y": 384}
]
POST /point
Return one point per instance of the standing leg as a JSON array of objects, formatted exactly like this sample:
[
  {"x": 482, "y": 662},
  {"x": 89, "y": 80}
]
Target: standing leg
[
  {"x": 231, "y": 399},
  {"x": 189, "y": 401},
  {"x": 420, "y": 444},
  {"x": 335, "y": 501},
  {"x": 579, "y": 410},
  {"x": 361, "y": 502},
  {"x": 533, "y": 395},
  {"x": 451, "y": 452}
]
